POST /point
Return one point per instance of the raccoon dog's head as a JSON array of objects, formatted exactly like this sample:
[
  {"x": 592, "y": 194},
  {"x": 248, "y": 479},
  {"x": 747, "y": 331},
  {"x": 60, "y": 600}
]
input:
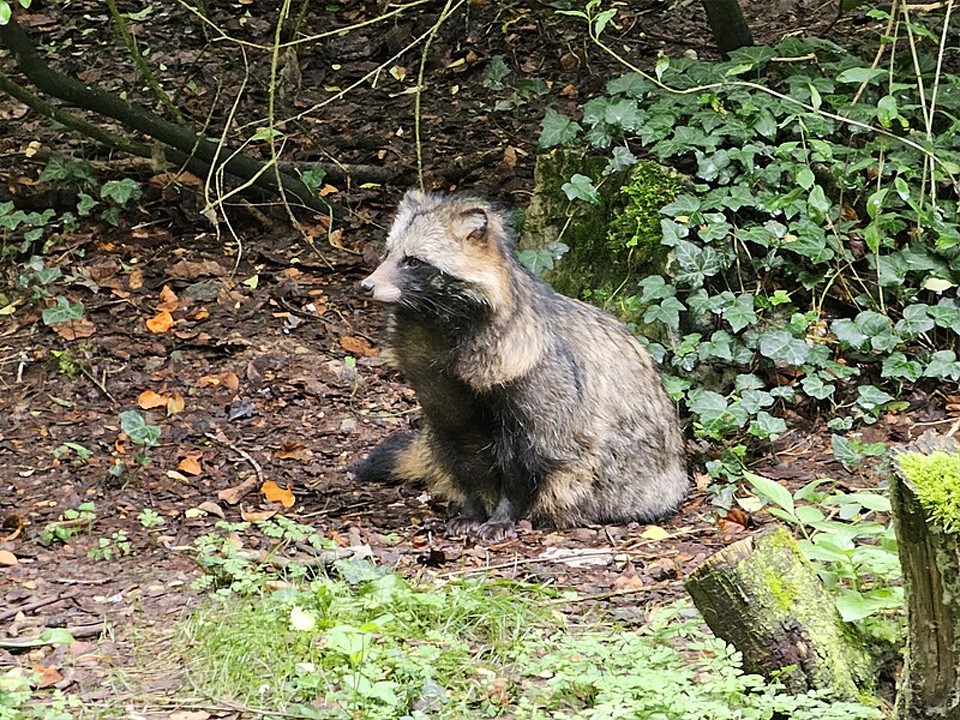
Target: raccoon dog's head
[{"x": 444, "y": 257}]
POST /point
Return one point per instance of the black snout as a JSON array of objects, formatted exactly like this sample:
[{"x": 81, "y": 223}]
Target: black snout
[{"x": 366, "y": 285}]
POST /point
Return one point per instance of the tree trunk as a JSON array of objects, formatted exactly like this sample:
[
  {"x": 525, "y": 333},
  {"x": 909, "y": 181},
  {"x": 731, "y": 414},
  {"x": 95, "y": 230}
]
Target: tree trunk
[
  {"x": 730, "y": 30},
  {"x": 763, "y": 597},
  {"x": 930, "y": 556}
]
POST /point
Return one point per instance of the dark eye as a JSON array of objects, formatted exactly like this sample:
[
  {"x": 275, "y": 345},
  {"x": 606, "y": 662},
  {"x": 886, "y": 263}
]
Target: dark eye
[{"x": 413, "y": 262}]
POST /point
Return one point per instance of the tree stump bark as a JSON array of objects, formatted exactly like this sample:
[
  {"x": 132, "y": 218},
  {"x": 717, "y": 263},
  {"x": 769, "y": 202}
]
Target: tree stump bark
[
  {"x": 762, "y": 596},
  {"x": 930, "y": 555}
]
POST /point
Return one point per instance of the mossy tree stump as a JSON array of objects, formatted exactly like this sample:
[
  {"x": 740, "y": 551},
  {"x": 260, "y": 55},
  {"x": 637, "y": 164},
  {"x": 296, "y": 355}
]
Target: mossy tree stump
[
  {"x": 925, "y": 496},
  {"x": 763, "y": 596}
]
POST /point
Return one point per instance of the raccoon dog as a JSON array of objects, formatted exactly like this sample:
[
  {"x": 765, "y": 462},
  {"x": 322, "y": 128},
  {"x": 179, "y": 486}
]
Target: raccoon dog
[{"x": 534, "y": 403}]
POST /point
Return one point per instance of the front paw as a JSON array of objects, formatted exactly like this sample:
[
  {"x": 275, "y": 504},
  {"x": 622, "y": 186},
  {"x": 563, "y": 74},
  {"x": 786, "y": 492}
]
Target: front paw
[
  {"x": 496, "y": 530},
  {"x": 461, "y": 526}
]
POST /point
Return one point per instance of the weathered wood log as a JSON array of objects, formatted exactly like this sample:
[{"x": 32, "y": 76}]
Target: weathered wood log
[
  {"x": 929, "y": 547},
  {"x": 763, "y": 596}
]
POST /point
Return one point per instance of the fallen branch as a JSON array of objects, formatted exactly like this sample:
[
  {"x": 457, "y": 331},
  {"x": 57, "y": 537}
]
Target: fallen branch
[{"x": 184, "y": 143}]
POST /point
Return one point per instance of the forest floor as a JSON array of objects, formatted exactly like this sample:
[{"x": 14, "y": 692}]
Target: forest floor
[{"x": 272, "y": 369}]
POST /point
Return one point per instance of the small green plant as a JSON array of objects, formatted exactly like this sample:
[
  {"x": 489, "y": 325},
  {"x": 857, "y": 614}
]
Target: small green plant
[
  {"x": 140, "y": 432},
  {"x": 233, "y": 570},
  {"x": 80, "y": 453},
  {"x": 19, "y": 701},
  {"x": 72, "y": 523},
  {"x": 848, "y": 538},
  {"x": 117, "y": 545},
  {"x": 150, "y": 518}
]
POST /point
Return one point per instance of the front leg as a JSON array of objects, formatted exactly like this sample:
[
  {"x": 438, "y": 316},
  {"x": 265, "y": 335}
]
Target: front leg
[
  {"x": 502, "y": 524},
  {"x": 469, "y": 518}
]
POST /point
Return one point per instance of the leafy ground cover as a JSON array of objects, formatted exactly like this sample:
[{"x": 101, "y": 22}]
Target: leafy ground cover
[{"x": 157, "y": 375}]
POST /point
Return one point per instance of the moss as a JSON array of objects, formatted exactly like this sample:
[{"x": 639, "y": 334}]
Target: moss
[
  {"x": 936, "y": 481},
  {"x": 636, "y": 227}
]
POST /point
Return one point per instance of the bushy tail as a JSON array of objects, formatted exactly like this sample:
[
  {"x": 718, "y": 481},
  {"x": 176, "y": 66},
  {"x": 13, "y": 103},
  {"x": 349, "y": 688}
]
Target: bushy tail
[{"x": 407, "y": 457}]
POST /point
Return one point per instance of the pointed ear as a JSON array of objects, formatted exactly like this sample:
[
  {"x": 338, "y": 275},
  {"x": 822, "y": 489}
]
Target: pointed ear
[
  {"x": 413, "y": 199},
  {"x": 470, "y": 226}
]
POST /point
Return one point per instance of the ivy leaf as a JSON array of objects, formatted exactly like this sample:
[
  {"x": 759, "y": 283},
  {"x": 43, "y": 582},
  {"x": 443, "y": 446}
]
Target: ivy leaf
[
  {"x": 623, "y": 114},
  {"x": 655, "y": 288},
  {"x": 580, "y": 187},
  {"x": 684, "y": 206},
  {"x": 766, "y": 426},
  {"x": 896, "y": 365},
  {"x": 814, "y": 386},
  {"x": 630, "y": 84},
  {"x": 667, "y": 312},
  {"x": 848, "y": 333},
  {"x": 140, "y": 432},
  {"x": 915, "y": 320},
  {"x": 860, "y": 75},
  {"x": 740, "y": 313},
  {"x": 805, "y": 178},
  {"x": 782, "y": 347},
  {"x": 63, "y": 311},
  {"x": 707, "y": 405},
  {"x": 872, "y": 398},
  {"x": 943, "y": 363},
  {"x": 818, "y": 204},
  {"x": 845, "y": 452},
  {"x": 557, "y": 129}
]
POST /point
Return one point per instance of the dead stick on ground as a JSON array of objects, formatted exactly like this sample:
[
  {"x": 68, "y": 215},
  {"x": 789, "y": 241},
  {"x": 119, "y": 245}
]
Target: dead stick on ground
[
  {"x": 35, "y": 605},
  {"x": 222, "y": 439}
]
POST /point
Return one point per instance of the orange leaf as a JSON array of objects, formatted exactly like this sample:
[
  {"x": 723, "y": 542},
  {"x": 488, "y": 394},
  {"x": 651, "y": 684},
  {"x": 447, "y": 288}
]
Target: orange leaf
[
  {"x": 277, "y": 494},
  {"x": 168, "y": 299},
  {"x": 149, "y": 399},
  {"x": 357, "y": 345},
  {"x": 49, "y": 676},
  {"x": 175, "y": 404},
  {"x": 190, "y": 465},
  {"x": 161, "y": 322}
]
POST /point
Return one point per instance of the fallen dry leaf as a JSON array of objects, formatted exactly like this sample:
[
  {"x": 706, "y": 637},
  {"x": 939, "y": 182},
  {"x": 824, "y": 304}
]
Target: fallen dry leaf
[
  {"x": 274, "y": 493},
  {"x": 654, "y": 532},
  {"x": 74, "y": 329},
  {"x": 161, "y": 322},
  {"x": 235, "y": 494},
  {"x": 190, "y": 465},
  {"x": 295, "y": 451},
  {"x": 149, "y": 399},
  {"x": 186, "y": 270},
  {"x": 8, "y": 558},
  {"x": 135, "y": 281},
  {"x": 213, "y": 509},
  {"x": 168, "y": 300},
  {"x": 256, "y": 515},
  {"x": 49, "y": 676},
  {"x": 357, "y": 345},
  {"x": 175, "y": 404}
]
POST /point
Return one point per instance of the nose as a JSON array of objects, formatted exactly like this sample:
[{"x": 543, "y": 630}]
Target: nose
[{"x": 367, "y": 285}]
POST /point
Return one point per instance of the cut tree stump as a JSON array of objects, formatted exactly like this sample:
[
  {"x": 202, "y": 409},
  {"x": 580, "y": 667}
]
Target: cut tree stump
[
  {"x": 763, "y": 597},
  {"x": 929, "y": 546}
]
